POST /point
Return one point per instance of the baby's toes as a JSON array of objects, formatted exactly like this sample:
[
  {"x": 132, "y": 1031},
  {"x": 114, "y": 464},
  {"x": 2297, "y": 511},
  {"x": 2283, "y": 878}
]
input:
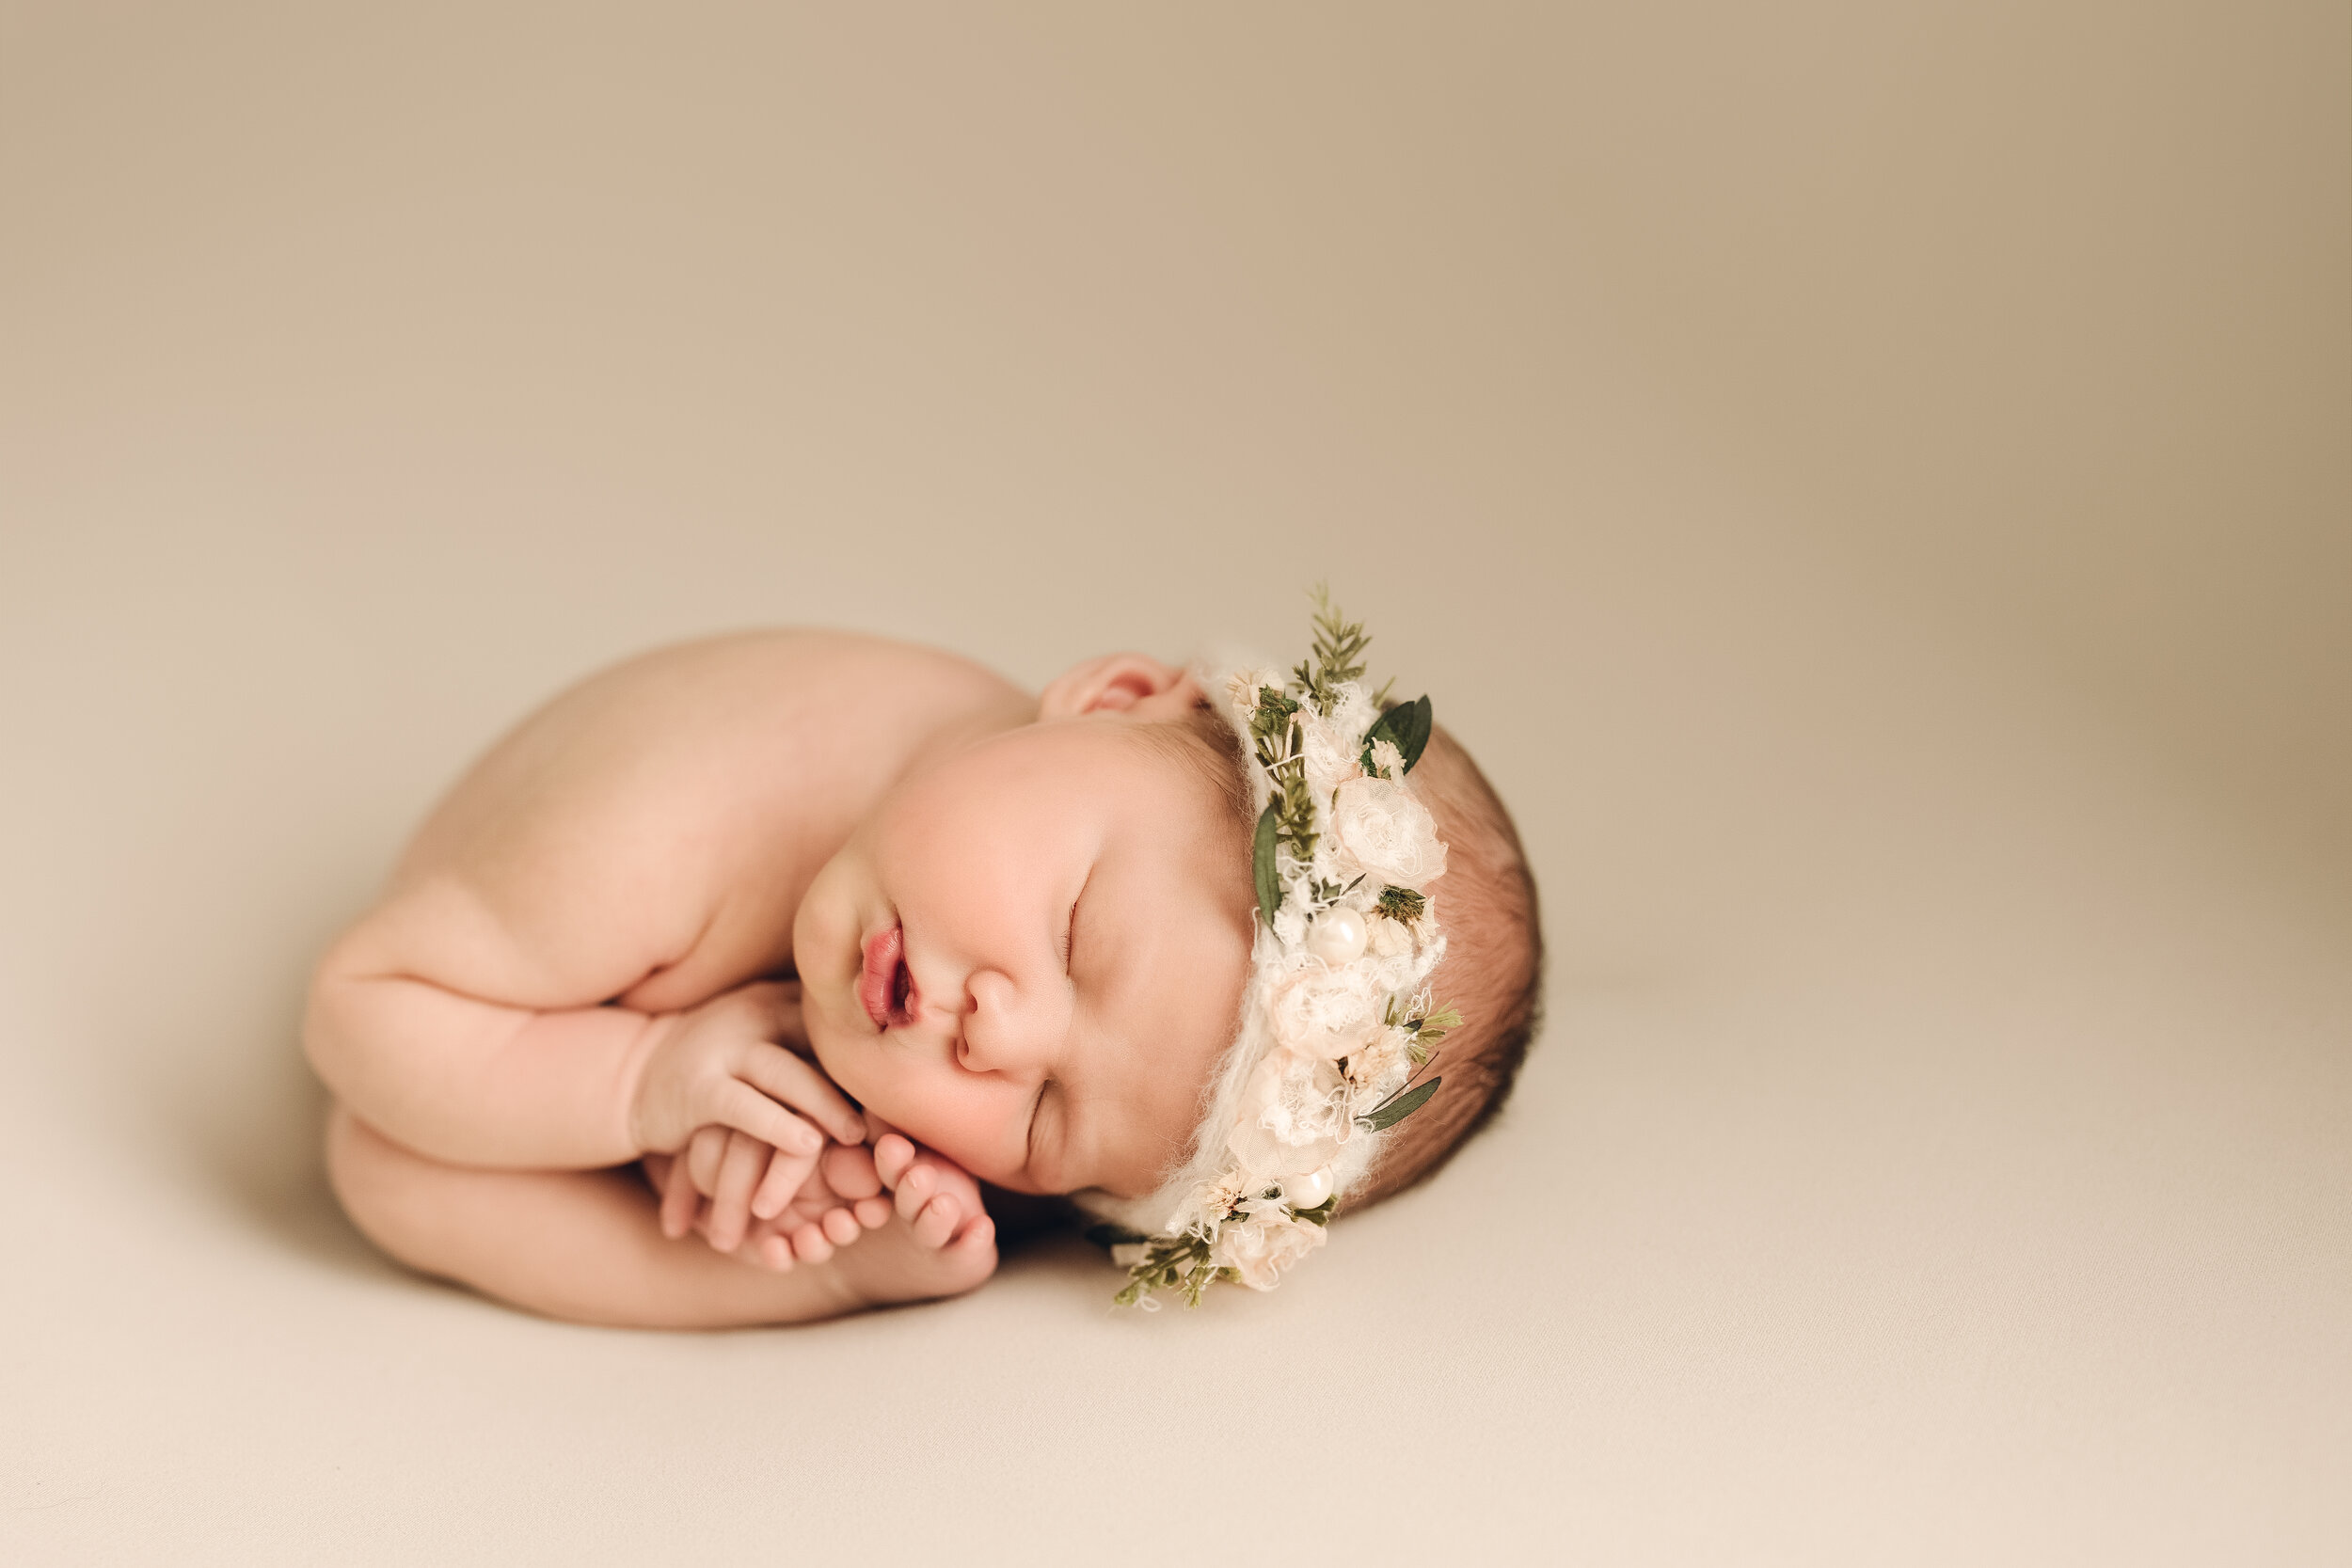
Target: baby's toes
[
  {"x": 809, "y": 1244},
  {"x": 977, "y": 1242},
  {"x": 872, "y": 1213},
  {"x": 841, "y": 1227},
  {"x": 936, "y": 1224},
  {"x": 773, "y": 1252},
  {"x": 914, "y": 1188},
  {"x": 893, "y": 1153},
  {"x": 849, "y": 1171}
]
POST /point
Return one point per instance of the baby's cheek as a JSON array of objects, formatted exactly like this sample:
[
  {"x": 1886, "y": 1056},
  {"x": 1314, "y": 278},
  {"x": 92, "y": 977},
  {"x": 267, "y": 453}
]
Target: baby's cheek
[{"x": 952, "y": 1117}]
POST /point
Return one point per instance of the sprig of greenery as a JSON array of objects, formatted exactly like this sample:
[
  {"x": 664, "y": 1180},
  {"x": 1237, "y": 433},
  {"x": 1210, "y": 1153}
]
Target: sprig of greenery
[
  {"x": 1173, "y": 1264},
  {"x": 1288, "y": 819},
  {"x": 1400, "y": 903},
  {"x": 1337, "y": 652}
]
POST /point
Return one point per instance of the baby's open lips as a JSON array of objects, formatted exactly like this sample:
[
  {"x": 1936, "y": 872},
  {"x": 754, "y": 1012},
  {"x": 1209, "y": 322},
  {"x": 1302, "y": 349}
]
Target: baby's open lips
[{"x": 885, "y": 988}]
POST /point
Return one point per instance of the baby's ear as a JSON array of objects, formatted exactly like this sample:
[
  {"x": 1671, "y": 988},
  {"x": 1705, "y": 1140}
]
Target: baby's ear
[{"x": 1120, "y": 683}]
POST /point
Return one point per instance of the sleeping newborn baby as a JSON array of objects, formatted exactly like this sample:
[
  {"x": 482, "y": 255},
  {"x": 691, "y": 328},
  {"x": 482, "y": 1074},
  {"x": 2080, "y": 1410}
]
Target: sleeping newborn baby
[{"x": 715, "y": 993}]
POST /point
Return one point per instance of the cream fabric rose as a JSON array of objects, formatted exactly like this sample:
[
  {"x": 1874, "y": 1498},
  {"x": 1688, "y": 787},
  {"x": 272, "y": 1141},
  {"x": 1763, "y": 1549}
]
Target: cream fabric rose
[
  {"x": 1379, "y": 830},
  {"x": 1294, "y": 1117},
  {"x": 1325, "y": 1012},
  {"x": 1262, "y": 1249}
]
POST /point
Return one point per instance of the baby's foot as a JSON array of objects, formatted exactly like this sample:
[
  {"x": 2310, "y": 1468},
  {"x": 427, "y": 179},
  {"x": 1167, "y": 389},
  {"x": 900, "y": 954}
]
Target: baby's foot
[
  {"x": 939, "y": 1203},
  {"x": 945, "y": 1243}
]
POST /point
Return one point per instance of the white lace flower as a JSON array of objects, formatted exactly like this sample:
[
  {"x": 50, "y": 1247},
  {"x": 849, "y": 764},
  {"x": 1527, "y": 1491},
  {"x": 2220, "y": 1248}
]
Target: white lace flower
[
  {"x": 1244, "y": 687},
  {"x": 1325, "y": 1012},
  {"x": 1290, "y": 921},
  {"x": 1388, "y": 939},
  {"x": 1262, "y": 1249},
  {"x": 1387, "y": 760},
  {"x": 1378, "y": 1069},
  {"x": 1352, "y": 712},
  {"x": 1331, "y": 753},
  {"x": 1380, "y": 831},
  {"x": 1294, "y": 1118}
]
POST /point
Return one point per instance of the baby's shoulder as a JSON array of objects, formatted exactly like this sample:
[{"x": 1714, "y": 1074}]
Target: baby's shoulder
[
  {"x": 705, "y": 741},
  {"x": 772, "y": 662}
]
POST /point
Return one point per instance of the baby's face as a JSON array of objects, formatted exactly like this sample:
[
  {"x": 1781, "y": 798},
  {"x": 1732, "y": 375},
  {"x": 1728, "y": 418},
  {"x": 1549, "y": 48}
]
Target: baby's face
[{"x": 1030, "y": 954}]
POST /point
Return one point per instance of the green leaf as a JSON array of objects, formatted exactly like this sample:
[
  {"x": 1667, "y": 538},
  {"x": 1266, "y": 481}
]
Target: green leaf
[
  {"x": 1406, "y": 727},
  {"x": 1401, "y": 903},
  {"x": 1398, "y": 1106},
  {"x": 1261, "y": 863}
]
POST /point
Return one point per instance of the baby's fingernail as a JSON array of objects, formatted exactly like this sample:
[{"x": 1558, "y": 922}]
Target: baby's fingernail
[{"x": 806, "y": 1140}]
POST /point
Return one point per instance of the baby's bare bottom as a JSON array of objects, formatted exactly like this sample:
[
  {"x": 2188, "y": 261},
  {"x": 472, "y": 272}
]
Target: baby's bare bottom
[{"x": 587, "y": 1245}]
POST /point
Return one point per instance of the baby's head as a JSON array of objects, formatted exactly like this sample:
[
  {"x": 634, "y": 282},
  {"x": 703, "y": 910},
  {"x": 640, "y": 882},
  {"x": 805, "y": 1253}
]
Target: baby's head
[{"x": 1036, "y": 952}]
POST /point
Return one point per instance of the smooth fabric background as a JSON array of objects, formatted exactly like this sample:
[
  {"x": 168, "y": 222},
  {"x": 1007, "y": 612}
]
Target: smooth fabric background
[{"x": 1872, "y": 485}]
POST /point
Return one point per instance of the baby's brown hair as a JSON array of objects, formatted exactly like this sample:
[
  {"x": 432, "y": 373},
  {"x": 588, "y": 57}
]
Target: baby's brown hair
[{"x": 1493, "y": 971}]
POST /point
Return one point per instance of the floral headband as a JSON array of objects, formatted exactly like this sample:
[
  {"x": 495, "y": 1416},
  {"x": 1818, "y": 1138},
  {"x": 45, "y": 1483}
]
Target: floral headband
[{"x": 1337, "y": 1017}]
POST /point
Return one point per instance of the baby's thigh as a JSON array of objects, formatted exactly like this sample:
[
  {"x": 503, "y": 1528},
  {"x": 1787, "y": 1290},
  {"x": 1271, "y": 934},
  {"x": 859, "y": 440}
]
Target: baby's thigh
[
  {"x": 398, "y": 1199},
  {"x": 586, "y": 1245}
]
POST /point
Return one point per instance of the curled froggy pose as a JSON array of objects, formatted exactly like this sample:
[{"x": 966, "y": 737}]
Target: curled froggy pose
[{"x": 713, "y": 993}]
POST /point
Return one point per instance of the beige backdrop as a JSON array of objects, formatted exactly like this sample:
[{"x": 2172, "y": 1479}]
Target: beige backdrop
[{"x": 1873, "y": 484}]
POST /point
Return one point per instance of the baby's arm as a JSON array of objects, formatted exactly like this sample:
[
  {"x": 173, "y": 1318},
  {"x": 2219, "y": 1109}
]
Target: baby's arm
[
  {"x": 463, "y": 1037},
  {"x": 587, "y": 1245}
]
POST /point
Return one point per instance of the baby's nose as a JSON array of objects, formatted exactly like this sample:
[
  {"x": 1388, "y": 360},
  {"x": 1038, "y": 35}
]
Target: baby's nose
[{"x": 1010, "y": 1027}]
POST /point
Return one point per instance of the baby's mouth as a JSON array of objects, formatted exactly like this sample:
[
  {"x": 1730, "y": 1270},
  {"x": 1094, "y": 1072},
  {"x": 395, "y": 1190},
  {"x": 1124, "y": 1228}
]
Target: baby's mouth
[{"x": 884, "y": 987}]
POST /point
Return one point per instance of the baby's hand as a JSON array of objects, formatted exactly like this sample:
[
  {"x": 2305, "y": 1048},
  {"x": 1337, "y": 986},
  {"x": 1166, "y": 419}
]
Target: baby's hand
[
  {"x": 756, "y": 1209},
  {"x": 720, "y": 1066}
]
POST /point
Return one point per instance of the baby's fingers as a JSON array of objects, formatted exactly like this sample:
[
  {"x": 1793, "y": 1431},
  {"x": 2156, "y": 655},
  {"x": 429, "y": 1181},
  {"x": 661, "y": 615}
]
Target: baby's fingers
[
  {"x": 738, "y": 1105},
  {"x": 731, "y": 1205},
  {"x": 680, "y": 1199},
  {"x": 787, "y": 1172},
  {"x": 705, "y": 1152},
  {"x": 783, "y": 1077}
]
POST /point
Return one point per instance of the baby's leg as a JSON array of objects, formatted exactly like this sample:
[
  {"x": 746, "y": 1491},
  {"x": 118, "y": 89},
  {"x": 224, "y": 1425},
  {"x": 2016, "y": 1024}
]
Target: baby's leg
[{"x": 585, "y": 1246}]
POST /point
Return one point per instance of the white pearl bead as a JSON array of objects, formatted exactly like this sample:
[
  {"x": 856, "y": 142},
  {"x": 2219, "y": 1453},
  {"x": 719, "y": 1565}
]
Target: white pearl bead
[
  {"x": 1337, "y": 935},
  {"x": 1308, "y": 1191}
]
